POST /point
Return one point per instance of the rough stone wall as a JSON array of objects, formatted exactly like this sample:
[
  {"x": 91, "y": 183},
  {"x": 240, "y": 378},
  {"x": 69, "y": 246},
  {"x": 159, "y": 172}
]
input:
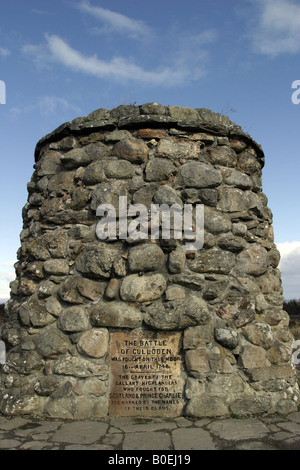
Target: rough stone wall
[{"x": 73, "y": 290}]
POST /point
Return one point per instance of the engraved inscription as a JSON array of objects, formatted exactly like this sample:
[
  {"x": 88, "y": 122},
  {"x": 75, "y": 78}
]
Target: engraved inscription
[{"x": 146, "y": 369}]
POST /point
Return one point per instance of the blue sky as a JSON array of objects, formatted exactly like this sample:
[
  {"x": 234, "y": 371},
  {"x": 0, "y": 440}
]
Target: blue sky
[{"x": 65, "y": 58}]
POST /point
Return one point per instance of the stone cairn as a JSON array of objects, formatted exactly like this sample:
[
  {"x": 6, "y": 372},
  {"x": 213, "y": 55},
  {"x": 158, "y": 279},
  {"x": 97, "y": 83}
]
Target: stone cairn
[{"x": 73, "y": 291}]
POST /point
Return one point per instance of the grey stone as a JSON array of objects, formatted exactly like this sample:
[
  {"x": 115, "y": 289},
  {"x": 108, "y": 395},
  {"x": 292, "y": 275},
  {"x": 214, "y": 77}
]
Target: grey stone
[
  {"x": 116, "y": 135},
  {"x": 53, "y": 306},
  {"x": 80, "y": 198},
  {"x": 209, "y": 197},
  {"x": 233, "y": 200},
  {"x": 11, "y": 405},
  {"x": 177, "y": 314},
  {"x": 135, "y": 288},
  {"x": 197, "y": 363},
  {"x": 167, "y": 195},
  {"x": 73, "y": 319},
  {"x": 198, "y": 336},
  {"x": 77, "y": 290},
  {"x": 222, "y": 155},
  {"x": 49, "y": 163},
  {"x": 250, "y": 406},
  {"x": 96, "y": 259},
  {"x": 253, "y": 357},
  {"x": 231, "y": 243},
  {"x": 239, "y": 229},
  {"x": 61, "y": 182},
  {"x": 226, "y": 337},
  {"x": 68, "y": 143},
  {"x": 33, "y": 312},
  {"x": 216, "y": 222},
  {"x": 146, "y": 257},
  {"x": 116, "y": 314},
  {"x": 23, "y": 362},
  {"x": 207, "y": 406},
  {"x": 79, "y": 367},
  {"x": 177, "y": 259},
  {"x": 143, "y": 195},
  {"x": 120, "y": 169},
  {"x": 253, "y": 260},
  {"x": 175, "y": 292},
  {"x": 133, "y": 150},
  {"x": 58, "y": 267},
  {"x": 94, "y": 173},
  {"x": 260, "y": 334},
  {"x": 52, "y": 343},
  {"x": 213, "y": 260},
  {"x": 159, "y": 170},
  {"x": 48, "y": 385},
  {"x": 248, "y": 163},
  {"x": 80, "y": 157},
  {"x": 112, "y": 289},
  {"x": 198, "y": 175},
  {"x": 90, "y": 386},
  {"x": 153, "y": 108},
  {"x": 168, "y": 148},
  {"x": 94, "y": 343},
  {"x": 238, "y": 179},
  {"x": 183, "y": 113}
]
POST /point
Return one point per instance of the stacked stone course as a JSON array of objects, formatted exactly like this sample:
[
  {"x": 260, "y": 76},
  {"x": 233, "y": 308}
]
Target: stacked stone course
[{"x": 73, "y": 290}]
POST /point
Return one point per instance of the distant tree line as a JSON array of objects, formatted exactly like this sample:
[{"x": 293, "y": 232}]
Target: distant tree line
[
  {"x": 292, "y": 307},
  {"x": 2, "y": 309}
]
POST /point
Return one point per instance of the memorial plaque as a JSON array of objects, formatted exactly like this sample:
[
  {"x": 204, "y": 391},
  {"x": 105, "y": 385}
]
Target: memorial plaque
[{"x": 146, "y": 370}]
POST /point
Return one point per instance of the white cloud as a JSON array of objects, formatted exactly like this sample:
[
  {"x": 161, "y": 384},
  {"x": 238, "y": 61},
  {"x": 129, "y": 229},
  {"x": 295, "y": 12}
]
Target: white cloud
[
  {"x": 290, "y": 268},
  {"x": 52, "y": 104},
  {"x": 118, "y": 68},
  {"x": 4, "y": 52},
  {"x": 117, "y": 22},
  {"x": 7, "y": 274},
  {"x": 38, "y": 53},
  {"x": 46, "y": 106},
  {"x": 278, "y": 27},
  {"x": 40, "y": 12}
]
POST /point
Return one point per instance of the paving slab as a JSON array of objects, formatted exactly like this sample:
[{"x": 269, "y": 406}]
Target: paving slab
[
  {"x": 295, "y": 416},
  {"x": 80, "y": 432},
  {"x": 147, "y": 441},
  {"x": 254, "y": 445},
  {"x": 146, "y": 427},
  {"x": 139, "y": 434},
  {"x": 90, "y": 447},
  {"x": 14, "y": 423},
  {"x": 280, "y": 436},
  {"x": 290, "y": 426},
  {"x": 36, "y": 445},
  {"x": 231, "y": 429},
  {"x": 192, "y": 439},
  {"x": 9, "y": 444}
]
